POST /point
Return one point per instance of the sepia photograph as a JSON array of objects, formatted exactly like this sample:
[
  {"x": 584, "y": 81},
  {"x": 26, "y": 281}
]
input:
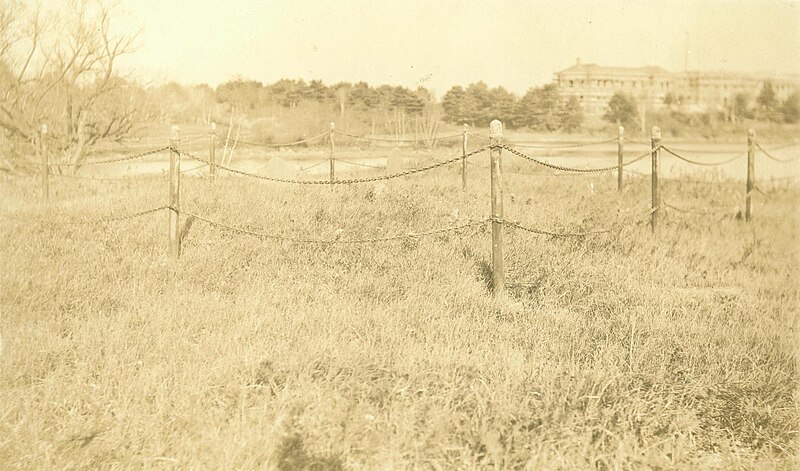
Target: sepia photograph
[{"x": 400, "y": 235}]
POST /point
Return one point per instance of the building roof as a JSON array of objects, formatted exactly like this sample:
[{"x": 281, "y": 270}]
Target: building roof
[
  {"x": 756, "y": 76},
  {"x": 604, "y": 70},
  {"x": 599, "y": 70}
]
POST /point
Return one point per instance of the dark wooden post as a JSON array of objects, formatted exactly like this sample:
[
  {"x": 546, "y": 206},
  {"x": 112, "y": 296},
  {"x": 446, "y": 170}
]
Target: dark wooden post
[
  {"x": 174, "y": 192},
  {"x": 212, "y": 151},
  {"x": 751, "y": 171},
  {"x": 498, "y": 272},
  {"x": 464, "y": 158},
  {"x": 333, "y": 148},
  {"x": 655, "y": 146},
  {"x": 45, "y": 163},
  {"x": 620, "y": 145}
]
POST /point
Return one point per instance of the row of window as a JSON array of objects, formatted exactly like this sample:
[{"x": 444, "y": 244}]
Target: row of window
[
  {"x": 693, "y": 83},
  {"x": 604, "y": 97},
  {"x": 611, "y": 83}
]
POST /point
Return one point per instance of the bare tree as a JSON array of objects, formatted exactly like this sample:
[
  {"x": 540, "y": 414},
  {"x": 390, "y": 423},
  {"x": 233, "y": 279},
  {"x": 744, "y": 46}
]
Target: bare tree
[{"x": 61, "y": 71}]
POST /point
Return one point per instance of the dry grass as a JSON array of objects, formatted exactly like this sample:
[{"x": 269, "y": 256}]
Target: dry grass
[{"x": 623, "y": 351}]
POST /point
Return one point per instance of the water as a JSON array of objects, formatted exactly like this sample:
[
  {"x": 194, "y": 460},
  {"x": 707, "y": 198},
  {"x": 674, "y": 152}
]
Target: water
[
  {"x": 587, "y": 157},
  {"x": 673, "y": 167}
]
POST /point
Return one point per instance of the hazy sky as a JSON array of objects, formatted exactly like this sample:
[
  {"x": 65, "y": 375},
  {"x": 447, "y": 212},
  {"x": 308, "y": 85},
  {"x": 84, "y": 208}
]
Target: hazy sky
[{"x": 441, "y": 43}]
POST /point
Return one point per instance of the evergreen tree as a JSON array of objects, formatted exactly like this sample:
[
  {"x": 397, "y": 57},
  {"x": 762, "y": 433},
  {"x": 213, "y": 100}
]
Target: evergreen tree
[
  {"x": 478, "y": 104},
  {"x": 741, "y": 106},
  {"x": 503, "y": 106},
  {"x": 622, "y": 110},
  {"x": 572, "y": 115},
  {"x": 317, "y": 91},
  {"x": 465, "y": 105},
  {"x": 791, "y": 108},
  {"x": 540, "y": 109},
  {"x": 768, "y": 104},
  {"x": 362, "y": 97},
  {"x": 243, "y": 94},
  {"x": 452, "y": 104},
  {"x": 523, "y": 114},
  {"x": 548, "y": 112}
]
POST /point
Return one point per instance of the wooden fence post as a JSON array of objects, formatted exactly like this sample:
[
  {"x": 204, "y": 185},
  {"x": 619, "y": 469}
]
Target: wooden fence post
[
  {"x": 45, "y": 163},
  {"x": 655, "y": 146},
  {"x": 620, "y": 145},
  {"x": 174, "y": 192},
  {"x": 212, "y": 151},
  {"x": 464, "y": 158},
  {"x": 751, "y": 171},
  {"x": 333, "y": 148},
  {"x": 498, "y": 273}
]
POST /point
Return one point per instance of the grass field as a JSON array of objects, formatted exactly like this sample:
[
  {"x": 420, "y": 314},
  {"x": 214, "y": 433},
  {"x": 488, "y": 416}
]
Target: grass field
[{"x": 620, "y": 351}]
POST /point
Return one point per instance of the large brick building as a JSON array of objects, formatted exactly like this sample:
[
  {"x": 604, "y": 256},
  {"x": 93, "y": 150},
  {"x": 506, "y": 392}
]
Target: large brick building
[{"x": 691, "y": 91}]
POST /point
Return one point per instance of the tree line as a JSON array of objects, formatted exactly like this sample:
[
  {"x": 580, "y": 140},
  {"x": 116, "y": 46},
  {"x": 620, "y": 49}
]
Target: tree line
[
  {"x": 253, "y": 95},
  {"x": 540, "y": 109},
  {"x": 765, "y": 107},
  {"x": 60, "y": 69}
]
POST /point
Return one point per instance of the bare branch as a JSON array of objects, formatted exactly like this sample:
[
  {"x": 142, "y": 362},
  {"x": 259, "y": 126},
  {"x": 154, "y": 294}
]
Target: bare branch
[{"x": 66, "y": 76}]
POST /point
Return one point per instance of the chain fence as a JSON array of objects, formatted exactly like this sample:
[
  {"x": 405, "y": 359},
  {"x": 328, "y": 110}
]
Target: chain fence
[
  {"x": 337, "y": 239},
  {"x": 276, "y": 145},
  {"x": 570, "y": 169},
  {"x": 197, "y": 167},
  {"x": 303, "y": 169},
  {"x": 561, "y": 146},
  {"x": 615, "y": 228},
  {"x": 414, "y": 235},
  {"x": 770, "y": 156},
  {"x": 696, "y": 162},
  {"x": 110, "y": 180},
  {"x": 357, "y": 164},
  {"x": 702, "y": 151},
  {"x": 544, "y": 174},
  {"x": 340, "y": 236},
  {"x": 112, "y": 218},
  {"x": 87, "y": 163},
  {"x": 338, "y": 182},
  {"x": 399, "y": 139},
  {"x": 140, "y": 155}
]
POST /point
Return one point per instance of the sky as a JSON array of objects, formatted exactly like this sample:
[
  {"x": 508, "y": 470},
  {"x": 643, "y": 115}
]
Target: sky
[{"x": 441, "y": 43}]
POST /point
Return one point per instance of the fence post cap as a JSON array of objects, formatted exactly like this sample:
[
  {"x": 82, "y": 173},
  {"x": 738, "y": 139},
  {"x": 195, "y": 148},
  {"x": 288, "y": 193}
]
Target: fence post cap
[
  {"x": 175, "y": 133},
  {"x": 466, "y": 127},
  {"x": 621, "y": 130},
  {"x": 496, "y": 129},
  {"x": 43, "y": 129},
  {"x": 333, "y": 125},
  {"x": 751, "y": 133},
  {"x": 655, "y": 133}
]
